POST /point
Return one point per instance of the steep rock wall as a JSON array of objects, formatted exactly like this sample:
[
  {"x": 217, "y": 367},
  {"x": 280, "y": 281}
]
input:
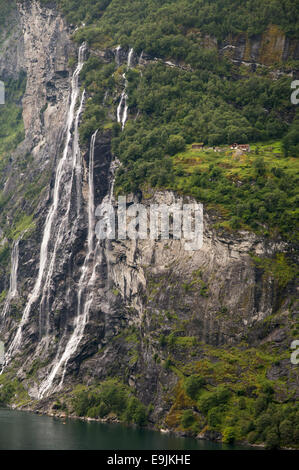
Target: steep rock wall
[
  {"x": 47, "y": 49},
  {"x": 216, "y": 294},
  {"x": 271, "y": 47}
]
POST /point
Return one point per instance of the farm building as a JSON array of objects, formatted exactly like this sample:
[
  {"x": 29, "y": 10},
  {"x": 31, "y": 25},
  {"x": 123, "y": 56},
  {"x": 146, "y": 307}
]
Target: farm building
[
  {"x": 198, "y": 146},
  {"x": 243, "y": 147}
]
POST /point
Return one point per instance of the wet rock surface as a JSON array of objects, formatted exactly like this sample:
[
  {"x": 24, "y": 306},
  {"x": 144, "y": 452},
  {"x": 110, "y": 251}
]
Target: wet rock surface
[{"x": 218, "y": 293}]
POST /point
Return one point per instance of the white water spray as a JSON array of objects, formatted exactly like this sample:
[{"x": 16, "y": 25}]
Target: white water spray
[
  {"x": 59, "y": 186},
  {"x": 84, "y": 290},
  {"x": 117, "y": 58},
  {"x": 131, "y": 51},
  {"x": 122, "y": 109},
  {"x": 63, "y": 225},
  {"x": 13, "y": 286}
]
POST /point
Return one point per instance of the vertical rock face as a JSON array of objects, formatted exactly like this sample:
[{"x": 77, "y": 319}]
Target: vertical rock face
[
  {"x": 12, "y": 60},
  {"x": 42, "y": 49},
  {"x": 47, "y": 49},
  {"x": 217, "y": 293},
  {"x": 268, "y": 48}
]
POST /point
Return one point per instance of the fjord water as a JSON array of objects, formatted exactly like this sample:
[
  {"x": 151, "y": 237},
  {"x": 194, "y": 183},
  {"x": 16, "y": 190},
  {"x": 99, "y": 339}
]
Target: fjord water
[{"x": 21, "y": 430}]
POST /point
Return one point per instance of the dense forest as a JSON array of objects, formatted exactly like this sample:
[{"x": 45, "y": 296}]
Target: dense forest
[
  {"x": 207, "y": 100},
  {"x": 210, "y": 100},
  {"x": 150, "y": 23}
]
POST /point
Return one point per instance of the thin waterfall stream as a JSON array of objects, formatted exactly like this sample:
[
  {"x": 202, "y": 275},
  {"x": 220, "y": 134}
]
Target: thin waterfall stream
[
  {"x": 68, "y": 175},
  {"x": 13, "y": 285},
  {"x": 122, "y": 109},
  {"x": 59, "y": 188},
  {"x": 85, "y": 295}
]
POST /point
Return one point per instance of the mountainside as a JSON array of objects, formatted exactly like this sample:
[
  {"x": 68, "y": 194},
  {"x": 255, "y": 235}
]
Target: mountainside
[{"x": 145, "y": 100}]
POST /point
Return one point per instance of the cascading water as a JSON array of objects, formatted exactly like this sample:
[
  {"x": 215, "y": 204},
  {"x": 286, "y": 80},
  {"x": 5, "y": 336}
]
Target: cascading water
[
  {"x": 62, "y": 188},
  {"x": 63, "y": 224},
  {"x": 117, "y": 58},
  {"x": 91, "y": 207},
  {"x": 131, "y": 51},
  {"x": 85, "y": 287},
  {"x": 122, "y": 109},
  {"x": 68, "y": 178},
  {"x": 13, "y": 286}
]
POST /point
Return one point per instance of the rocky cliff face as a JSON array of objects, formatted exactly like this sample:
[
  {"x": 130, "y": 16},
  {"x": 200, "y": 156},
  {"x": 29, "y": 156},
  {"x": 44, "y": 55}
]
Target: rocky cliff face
[
  {"x": 271, "y": 47},
  {"x": 12, "y": 48},
  {"x": 79, "y": 325}
]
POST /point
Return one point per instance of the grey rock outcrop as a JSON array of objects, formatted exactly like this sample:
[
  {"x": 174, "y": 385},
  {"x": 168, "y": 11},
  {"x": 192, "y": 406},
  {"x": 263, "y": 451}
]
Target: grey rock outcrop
[{"x": 217, "y": 293}]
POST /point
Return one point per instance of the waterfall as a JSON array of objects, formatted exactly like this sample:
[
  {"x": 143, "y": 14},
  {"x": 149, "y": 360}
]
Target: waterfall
[
  {"x": 63, "y": 223},
  {"x": 125, "y": 113},
  {"x": 85, "y": 287},
  {"x": 117, "y": 58},
  {"x": 77, "y": 153},
  {"x": 131, "y": 51},
  {"x": 14, "y": 270},
  {"x": 122, "y": 109},
  {"x": 13, "y": 286},
  {"x": 60, "y": 186}
]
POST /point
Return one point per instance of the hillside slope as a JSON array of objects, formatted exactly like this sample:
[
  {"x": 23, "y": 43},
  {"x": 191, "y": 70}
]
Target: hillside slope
[{"x": 143, "y": 331}]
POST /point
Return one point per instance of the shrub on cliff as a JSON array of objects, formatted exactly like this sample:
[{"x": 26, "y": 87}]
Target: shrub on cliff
[
  {"x": 193, "y": 385},
  {"x": 109, "y": 397}
]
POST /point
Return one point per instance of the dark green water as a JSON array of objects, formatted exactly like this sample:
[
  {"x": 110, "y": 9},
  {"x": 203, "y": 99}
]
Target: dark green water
[{"x": 20, "y": 430}]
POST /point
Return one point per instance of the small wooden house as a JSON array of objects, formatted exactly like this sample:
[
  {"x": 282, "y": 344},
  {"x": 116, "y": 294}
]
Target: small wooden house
[
  {"x": 242, "y": 147},
  {"x": 197, "y": 146}
]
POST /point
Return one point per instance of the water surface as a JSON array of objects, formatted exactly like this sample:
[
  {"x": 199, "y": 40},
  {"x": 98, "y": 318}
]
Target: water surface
[{"x": 21, "y": 430}]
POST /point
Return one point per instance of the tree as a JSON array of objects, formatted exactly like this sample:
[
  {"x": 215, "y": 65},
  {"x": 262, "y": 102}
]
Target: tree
[
  {"x": 176, "y": 143},
  {"x": 193, "y": 385},
  {"x": 187, "y": 419},
  {"x": 286, "y": 429},
  {"x": 290, "y": 142},
  {"x": 272, "y": 439},
  {"x": 228, "y": 435}
]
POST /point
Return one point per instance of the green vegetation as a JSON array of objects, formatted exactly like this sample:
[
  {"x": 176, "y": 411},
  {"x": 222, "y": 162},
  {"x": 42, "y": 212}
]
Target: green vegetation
[
  {"x": 169, "y": 27},
  {"x": 11, "y": 134},
  {"x": 193, "y": 385},
  {"x": 290, "y": 141},
  {"x": 258, "y": 190},
  {"x": 97, "y": 79},
  {"x": 109, "y": 398},
  {"x": 11, "y": 121},
  {"x": 181, "y": 107},
  {"x": 228, "y": 392},
  {"x": 12, "y": 391},
  {"x": 24, "y": 224},
  {"x": 278, "y": 268},
  {"x": 6, "y": 8},
  {"x": 187, "y": 419},
  {"x": 211, "y": 100},
  {"x": 4, "y": 254},
  {"x": 3, "y": 295}
]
